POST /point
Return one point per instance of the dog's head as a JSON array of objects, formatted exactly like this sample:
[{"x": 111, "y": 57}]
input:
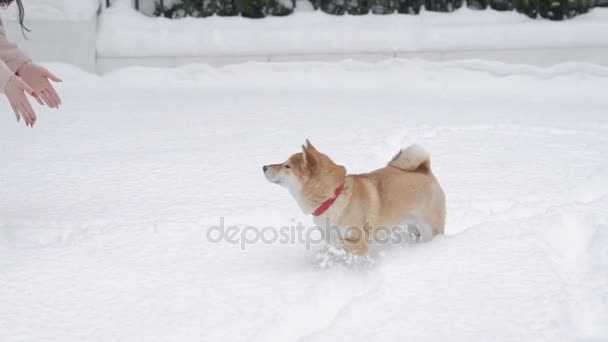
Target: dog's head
[{"x": 310, "y": 176}]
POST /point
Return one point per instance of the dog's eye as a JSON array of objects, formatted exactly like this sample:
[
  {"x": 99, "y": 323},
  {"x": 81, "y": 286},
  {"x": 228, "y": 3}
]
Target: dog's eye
[{"x": 287, "y": 166}]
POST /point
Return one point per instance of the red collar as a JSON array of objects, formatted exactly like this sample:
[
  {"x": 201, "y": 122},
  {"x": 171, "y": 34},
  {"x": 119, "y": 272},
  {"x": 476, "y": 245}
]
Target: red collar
[{"x": 325, "y": 205}]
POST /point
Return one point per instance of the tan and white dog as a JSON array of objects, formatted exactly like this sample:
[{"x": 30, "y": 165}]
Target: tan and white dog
[{"x": 403, "y": 190}]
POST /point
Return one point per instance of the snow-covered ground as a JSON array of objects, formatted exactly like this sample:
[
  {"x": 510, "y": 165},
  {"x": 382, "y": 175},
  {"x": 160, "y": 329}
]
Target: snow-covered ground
[{"x": 106, "y": 204}]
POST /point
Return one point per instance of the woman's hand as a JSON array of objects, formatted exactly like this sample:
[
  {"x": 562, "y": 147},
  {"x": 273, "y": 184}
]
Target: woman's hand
[
  {"x": 15, "y": 92},
  {"x": 38, "y": 77}
]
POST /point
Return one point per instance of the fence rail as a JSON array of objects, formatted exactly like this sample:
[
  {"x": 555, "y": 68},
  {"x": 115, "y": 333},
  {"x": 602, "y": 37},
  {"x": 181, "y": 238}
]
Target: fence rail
[{"x": 548, "y": 9}]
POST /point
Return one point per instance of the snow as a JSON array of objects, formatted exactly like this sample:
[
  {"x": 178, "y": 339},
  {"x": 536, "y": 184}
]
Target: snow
[
  {"x": 123, "y": 32},
  {"x": 56, "y": 10},
  {"x": 106, "y": 204}
]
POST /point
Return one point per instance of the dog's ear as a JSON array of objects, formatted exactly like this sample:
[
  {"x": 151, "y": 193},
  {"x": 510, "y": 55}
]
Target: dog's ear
[
  {"x": 308, "y": 156},
  {"x": 304, "y": 156},
  {"x": 310, "y": 147}
]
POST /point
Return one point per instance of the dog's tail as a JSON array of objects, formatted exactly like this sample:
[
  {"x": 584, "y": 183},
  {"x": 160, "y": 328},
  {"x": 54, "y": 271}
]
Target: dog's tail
[{"x": 413, "y": 158}]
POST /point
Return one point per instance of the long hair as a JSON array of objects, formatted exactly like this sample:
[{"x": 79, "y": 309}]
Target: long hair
[
  {"x": 21, "y": 16},
  {"x": 21, "y": 12}
]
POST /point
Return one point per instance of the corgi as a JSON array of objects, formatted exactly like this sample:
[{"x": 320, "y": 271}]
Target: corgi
[{"x": 402, "y": 191}]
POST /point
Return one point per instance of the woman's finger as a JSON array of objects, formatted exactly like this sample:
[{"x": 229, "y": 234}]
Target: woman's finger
[
  {"x": 40, "y": 100},
  {"x": 47, "y": 99},
  {"x": 50, "y": 75},
  {"x": 25, "y": 87},
  {"x": 22, "y": 110},
  {"x": 26, "y": 118},
  {"x": 24, "y": 113},
  {"x": 16, "y": 112},
  {"x": 29, "y": 110},
  {"x": 55, "y": 96}
]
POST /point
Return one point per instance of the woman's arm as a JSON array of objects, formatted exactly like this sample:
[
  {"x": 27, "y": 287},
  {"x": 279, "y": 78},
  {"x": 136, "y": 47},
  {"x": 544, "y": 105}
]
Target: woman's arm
[
  {"x": 5, "y": 76},
  {"x": 11, "y": 58}
]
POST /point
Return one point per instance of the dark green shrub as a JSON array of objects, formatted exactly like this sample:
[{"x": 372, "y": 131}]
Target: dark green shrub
[
  {"x": 253, "y": 8},
  {"x": 198, "y": 8},
  {"x": 527, "y": 7},
  {"x": 548, "y": 9},
  {"x": 409, "y": 6},
  {"x": 226, "y": 8},
  {"x": 335, "y": 7},
  {"x": 186, "y": 8},
  {"x": 501, "y": 5},
  {"x": 584, "y": 5},
  {"x": 477, "y": 4},
  {"x": 279, "y": 8},
  {"x": 357, "y": 7},
  {"x": 442, "y": 5},
  {"x": 383, "y": 6}
]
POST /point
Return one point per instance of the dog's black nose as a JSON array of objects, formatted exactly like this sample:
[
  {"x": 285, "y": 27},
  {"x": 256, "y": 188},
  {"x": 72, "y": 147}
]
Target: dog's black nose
[{"x": 264, "y": 168}]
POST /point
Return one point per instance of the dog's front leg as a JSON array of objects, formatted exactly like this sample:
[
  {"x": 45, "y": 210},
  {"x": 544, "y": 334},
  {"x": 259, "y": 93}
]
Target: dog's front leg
[{"x": 355, "y": 241}]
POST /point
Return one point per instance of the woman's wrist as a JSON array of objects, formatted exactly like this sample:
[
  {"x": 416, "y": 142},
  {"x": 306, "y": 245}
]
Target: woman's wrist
[
  {"x": 5, "y": 76},
  {"x": 22, "y": 66}
]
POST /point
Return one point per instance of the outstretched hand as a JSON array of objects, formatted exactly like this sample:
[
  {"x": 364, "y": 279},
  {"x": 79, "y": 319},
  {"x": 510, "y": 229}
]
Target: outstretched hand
[
  {"x": 15, "y": 91},
  {"x": 38, "y": 78}
]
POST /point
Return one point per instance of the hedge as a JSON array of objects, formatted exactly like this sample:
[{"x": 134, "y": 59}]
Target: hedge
[{"x": 548, "y": 9}]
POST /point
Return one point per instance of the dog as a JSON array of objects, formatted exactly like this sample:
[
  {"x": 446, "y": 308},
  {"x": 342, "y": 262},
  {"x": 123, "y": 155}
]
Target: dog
[{"x": 402, "y": 191}]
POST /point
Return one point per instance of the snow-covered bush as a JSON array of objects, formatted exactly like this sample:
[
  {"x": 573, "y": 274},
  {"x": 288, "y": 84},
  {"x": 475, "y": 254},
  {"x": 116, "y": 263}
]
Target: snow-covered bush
[
  {"x": 205, "y": 8},
  {"x": 198, "y": 8},
  {"x": 549, "y": 9}
]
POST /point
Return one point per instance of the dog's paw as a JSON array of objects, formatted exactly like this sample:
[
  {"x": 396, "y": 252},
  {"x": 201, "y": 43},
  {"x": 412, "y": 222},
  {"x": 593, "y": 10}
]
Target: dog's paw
[{"x": 330, "y": 255}]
